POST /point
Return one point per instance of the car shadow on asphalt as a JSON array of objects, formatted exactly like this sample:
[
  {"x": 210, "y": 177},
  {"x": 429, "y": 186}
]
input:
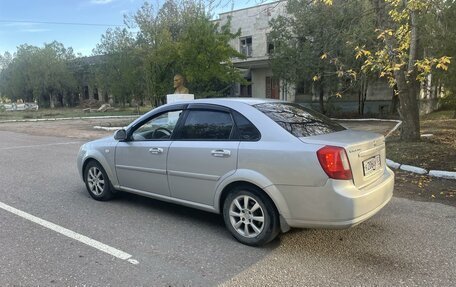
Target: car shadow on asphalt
[
  {"x": 182, "y": 215},
  {"x": 207, "y": 218}
]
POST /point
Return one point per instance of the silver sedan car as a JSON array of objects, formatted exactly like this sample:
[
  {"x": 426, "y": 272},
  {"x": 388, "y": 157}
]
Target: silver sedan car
[{"x": 264, "y": 165}]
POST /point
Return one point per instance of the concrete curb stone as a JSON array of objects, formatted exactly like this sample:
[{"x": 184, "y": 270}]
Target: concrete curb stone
[
  {"x": 413, "y": 169},
  {"x": 443, "y": 174},
  {"x": 107, "y": 128}
]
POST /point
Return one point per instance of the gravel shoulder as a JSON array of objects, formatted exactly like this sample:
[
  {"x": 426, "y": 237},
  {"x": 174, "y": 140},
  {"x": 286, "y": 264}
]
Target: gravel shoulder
[{"x": 77, "y": 129}]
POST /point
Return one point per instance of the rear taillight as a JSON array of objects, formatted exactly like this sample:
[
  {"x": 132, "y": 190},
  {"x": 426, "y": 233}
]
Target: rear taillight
[{"x": 334, "y": 162}]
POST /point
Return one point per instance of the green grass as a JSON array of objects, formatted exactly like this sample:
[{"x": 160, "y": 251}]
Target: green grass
[{"x": 68, "y": 112}]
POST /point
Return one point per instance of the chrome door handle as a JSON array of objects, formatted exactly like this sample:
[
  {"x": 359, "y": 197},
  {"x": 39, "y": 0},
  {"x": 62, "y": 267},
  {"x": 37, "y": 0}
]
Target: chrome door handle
[
  {"x": 221, "y": 153},
  {"x": 156, "y": 150}
]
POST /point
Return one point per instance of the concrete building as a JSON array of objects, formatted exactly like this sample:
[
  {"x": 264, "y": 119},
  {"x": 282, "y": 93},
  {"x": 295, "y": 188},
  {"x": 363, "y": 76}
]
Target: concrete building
[{"x": 253, "y": 43}]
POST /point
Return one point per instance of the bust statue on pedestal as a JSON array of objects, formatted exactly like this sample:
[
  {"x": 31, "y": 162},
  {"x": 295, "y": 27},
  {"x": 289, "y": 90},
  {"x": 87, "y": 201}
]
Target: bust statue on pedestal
[{"x": 179, "y": 87}]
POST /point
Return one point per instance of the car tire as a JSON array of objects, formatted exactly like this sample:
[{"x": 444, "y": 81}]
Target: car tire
[
  {"x": 251, "y": 216},
  {"x": 97, "y": 182}
]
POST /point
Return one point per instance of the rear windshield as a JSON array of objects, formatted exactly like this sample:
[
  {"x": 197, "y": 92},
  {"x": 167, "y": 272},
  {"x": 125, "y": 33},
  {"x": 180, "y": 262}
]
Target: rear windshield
[{"x": 298, "y": 120}]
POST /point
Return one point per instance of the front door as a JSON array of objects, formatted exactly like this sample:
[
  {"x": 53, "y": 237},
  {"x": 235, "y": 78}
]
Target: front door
[
  {"x": 272, "y": 88},
  {"x": 141, "y": 161},
  {"x": 201, "y": 155}
]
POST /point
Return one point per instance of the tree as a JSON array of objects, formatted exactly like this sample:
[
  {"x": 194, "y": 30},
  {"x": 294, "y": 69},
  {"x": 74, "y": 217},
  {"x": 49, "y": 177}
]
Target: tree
[
  {"x": 119, "y": 71},
  {"x": 314, "y": 43},
  {"x": 401, "y": 58},
  {"x": 441, "y": 37},
  {"x": 5, "y": 60},
  {"x": 205, "y": 56},
  {"x": 178, "y": 37},
  {"x": 397, "y": 55},
  {"x": 39, "y": 74}
]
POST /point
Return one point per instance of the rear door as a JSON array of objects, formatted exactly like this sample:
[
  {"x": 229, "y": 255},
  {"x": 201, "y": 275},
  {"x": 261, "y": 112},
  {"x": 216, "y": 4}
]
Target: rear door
[{"x": 203, "y": 151}]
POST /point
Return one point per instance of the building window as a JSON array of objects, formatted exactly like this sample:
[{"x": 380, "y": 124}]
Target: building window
[
  {"x": 303, "y": 87},
  {"x": 246, "y": 90},
  {"x": 246, "y": 46},
  {"x": 270, "y": 44}
]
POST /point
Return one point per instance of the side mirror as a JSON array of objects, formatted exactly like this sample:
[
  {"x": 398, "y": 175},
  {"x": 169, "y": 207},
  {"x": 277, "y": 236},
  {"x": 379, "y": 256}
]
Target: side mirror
[{"x": 120, "y": 135}]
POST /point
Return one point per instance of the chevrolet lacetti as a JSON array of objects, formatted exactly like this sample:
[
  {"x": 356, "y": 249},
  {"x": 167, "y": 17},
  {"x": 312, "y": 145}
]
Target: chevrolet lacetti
[{"x": 264, "y": 165}]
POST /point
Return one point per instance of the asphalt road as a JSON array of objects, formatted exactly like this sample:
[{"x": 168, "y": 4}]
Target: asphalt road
[{"x": 408, "y": 242}]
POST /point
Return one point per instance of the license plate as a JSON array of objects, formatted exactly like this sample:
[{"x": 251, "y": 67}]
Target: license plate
[{"x": 371, "y": 165}]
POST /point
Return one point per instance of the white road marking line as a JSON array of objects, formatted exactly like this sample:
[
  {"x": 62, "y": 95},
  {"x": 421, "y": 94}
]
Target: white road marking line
[
  {"x": 39, "y": 145},
  {"x": 71, "y": 234}
]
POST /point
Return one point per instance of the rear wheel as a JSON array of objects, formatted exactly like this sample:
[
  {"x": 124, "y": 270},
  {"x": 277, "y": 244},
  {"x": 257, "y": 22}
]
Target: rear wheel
[
  {"x": 97, "y": 182},
  {"x": 250, "y": 216}
]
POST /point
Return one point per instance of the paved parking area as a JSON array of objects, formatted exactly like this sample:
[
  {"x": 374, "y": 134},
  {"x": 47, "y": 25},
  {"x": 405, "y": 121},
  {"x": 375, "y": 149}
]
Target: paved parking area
[
  {"x": 408, "y": 242},
  {"x": 174, "y": 245}
]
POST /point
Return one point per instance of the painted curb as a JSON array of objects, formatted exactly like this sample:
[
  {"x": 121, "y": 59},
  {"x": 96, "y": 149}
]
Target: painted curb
[
  {"x": 392, "y": 164},
  {"x": 443, "y": 174},
  {"x": 107, "y": 128},
  {"x": 419, "y": 170},
  {"x": 413, "y": 169}
]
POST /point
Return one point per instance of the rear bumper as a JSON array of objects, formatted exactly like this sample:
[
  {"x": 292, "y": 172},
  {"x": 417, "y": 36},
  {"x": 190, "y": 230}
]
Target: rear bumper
[{"x": 338, "y": 204}]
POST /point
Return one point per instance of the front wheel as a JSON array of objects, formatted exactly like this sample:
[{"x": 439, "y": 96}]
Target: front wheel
[
  {"x": 97, "y": 182},
  {"x": 250, "y": 216}
]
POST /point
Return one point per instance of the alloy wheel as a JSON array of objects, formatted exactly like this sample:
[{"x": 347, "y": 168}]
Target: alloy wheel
[
  {"x": 95, "y": 181},
  {"x": 246, "y": 216}
]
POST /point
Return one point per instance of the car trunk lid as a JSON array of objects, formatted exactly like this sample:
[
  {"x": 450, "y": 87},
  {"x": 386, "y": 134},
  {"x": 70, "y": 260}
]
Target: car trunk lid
[{"x": 365, "y": 152}]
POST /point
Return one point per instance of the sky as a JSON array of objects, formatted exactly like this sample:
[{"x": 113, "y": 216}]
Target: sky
[{"x": 75, "y": 23}]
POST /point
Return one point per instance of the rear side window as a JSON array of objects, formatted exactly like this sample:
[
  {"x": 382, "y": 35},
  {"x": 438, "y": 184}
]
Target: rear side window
[
  {"x": 298, "y": 120},
  {"x": 246, "y": 130},
  {"x": 207, "y": 125}
]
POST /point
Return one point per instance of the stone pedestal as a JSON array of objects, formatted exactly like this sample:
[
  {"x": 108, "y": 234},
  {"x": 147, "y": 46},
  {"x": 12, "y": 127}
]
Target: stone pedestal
[{"x": 172, "y": 98}]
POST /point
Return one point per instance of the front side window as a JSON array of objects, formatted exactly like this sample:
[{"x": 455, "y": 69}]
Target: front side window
[
  {"x": 298, "y": 120},
  {"x": 160, "y": 127},
  {"x": 207, "y": 125}
]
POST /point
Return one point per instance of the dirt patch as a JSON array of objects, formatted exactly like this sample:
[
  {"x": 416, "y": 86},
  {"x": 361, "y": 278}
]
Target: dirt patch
[
  {"x": 79, "y": 129},
  {"x": 435, "y": 152}
]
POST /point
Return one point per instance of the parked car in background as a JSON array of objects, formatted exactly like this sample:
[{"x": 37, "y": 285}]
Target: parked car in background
[{"x": 264, "y": 165}]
